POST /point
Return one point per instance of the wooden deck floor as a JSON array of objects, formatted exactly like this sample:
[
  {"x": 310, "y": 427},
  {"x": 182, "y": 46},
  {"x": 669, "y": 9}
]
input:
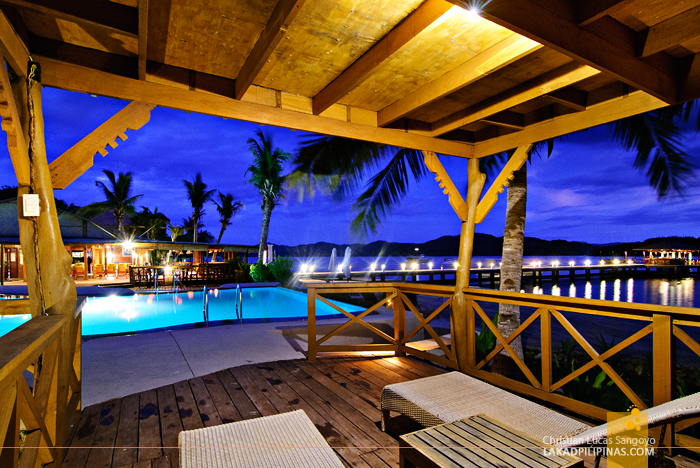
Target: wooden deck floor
[{"x": 341, "y": 395}]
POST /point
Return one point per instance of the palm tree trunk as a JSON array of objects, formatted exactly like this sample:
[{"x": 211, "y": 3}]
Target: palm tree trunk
[
  {"x": 267, "y": 212},
  {"x": 221, "y": 233},
  {"x": 512, "y": 267}
]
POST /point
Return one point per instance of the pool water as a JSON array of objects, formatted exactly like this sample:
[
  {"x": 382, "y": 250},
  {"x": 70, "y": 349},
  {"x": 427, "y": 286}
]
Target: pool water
[
  {"x": 10, "y": 322},
  {"x": 141, "y": 312}
]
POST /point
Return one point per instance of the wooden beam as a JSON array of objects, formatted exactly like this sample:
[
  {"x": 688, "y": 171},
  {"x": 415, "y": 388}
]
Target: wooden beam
[
  {"x": 551, "y": 81},
  {"x": 109, "y": 16},
  {"x": 494, "y": 58},
  {"x": 284, "y": 14},
  {"x": 592, "y": 10},
  {"x": 12, "y": 47},
  {"x": 671, "y": 32},
  {"x": 532, "y": 20},
  {"x": 78, "y": 159},
  {"x": 85, "y": 80},
  {"x": 506, "y": 119},
  {"x": 570, "y": 97},
  {"x": 399, "y": 38},
  {"x": 502, "y": 180},
  {"x": 143, "y": 38},
  {"x": 634, "y": 103},
  {"x": 11, "y": 124},
  {"x": 448, "y": 187},
  {"x": 690, "y": 78}
]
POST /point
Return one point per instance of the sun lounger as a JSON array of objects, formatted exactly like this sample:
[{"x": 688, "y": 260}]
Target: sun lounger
[
  {"x": 447, "y": 398},
  {"x": 450, "y": 397},
  {"x": 286, "y": 440}
]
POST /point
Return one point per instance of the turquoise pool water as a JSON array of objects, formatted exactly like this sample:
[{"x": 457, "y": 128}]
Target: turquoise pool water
[
  {"x": 142, "y": 312},
  {"x": 10, "y": 322}
]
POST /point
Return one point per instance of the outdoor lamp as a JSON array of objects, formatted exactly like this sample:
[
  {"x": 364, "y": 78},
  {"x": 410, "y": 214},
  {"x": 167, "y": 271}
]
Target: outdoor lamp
[
  {"x": 602, "y": 262},
  {"x": 303, "y": 267},
  {"x": 571, "y": 263},
  {"x": 403, "y": 266},
  {"x": 588, "y": 263},
  {"x": 456, "y": 265},
  {"x": 478, "y": 264},
  {"x": 311, "y": 268},
  {"x": 414, "y": 266},
  {"x": 616, "y": 262},
  {"x": 430, "y": 265},
  {"x": 629, "y": 262},
  {"x": 383, "y": 266},
  {"x": 491, "y": 265},
  {"x": 539, "y": 264},
  {"x": 373, "y": 266}
]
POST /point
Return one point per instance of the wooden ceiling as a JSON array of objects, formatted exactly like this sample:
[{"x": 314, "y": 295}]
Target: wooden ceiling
[{"x": 433, "y": 75}]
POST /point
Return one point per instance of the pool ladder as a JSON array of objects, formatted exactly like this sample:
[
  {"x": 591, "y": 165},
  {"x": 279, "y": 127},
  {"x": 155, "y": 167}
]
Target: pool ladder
[
  {"x": 239, "y": 304},
  {"x": 205, "y": 307}
]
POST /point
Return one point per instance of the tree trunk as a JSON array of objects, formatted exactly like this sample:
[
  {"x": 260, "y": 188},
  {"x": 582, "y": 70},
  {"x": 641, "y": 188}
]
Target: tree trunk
[
  {"x": 221, "y": 234},
  {"x": 512, "y": 267},
  {"x": 267, "y": 212}
]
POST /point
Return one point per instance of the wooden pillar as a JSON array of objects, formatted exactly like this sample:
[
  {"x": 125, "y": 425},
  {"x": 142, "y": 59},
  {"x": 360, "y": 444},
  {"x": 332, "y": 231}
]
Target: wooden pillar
[
  {"x": 2, "y": 264},
  {"x": 466, "y": 245},
  {"x": 399, "y": 323},
  {"x": 47, "y": 263}
]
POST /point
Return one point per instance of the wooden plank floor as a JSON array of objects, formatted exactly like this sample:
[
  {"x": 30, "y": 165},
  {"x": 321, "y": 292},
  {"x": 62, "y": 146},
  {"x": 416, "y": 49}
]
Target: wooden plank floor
[{"x": 340, "y": 394}]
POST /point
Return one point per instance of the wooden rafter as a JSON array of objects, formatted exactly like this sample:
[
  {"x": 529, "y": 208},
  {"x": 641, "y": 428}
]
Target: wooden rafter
[
  {"x": 143, "y": 38},
  {"x": 78, "y": 159},
  {"x": 616, "y": 58},
  {"x": 399, "y": 38},
  {"x": 634, "y": 103},
  {"x": 84, "y": 80},
  {"x": 570, "y": 97},
  {"x": 12, "y": 47},
  {"x": 16, "y": 144},
  {"x": 102, "y": 14},
  {"x": 507, "y": 119},
  {"x": 448, "y": 187},
  {"x": 592, "y": 10},
  {"x": 549, "y": 82},
  {"x": 274, "y": 31},
  {"x": 494, "y": 58},
  {"x": 668, "y": 33}
]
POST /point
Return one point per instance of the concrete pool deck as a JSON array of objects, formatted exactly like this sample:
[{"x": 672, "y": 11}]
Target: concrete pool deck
[{"x": 114, "y": 367}]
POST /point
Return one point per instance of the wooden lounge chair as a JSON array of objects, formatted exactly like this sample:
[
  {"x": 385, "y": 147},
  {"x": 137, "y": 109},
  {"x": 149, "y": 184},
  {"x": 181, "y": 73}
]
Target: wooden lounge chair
[
  {"x": 286, "y": 440},
  {"x": 98, "y": 270},
  {"x": 122, "y": 269},
  {"x": 111, "y": 270},
  {"x": 453, "y": 396}
]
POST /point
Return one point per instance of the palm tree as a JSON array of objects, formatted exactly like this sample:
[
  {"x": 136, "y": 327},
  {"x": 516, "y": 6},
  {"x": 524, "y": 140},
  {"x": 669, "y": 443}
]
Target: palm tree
[
  {"x": 151, "y": 223},
  {"x": 174, "y": 232},
  {"x": 227, "y": 209},
  {"x": 266, "y": 176},
  {"x": 118, "y": 199},
  {"x": 198, "y": 195}
]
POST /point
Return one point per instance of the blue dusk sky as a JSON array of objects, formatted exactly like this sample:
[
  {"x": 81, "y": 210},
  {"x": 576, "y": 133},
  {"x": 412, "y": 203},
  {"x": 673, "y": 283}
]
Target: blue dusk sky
[{"x": 586, "y": 191}]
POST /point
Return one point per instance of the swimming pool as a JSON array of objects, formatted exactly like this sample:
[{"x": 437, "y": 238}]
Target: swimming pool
[
  {"x": 150, "y": 312},
  {"x": 10, "y": 322}
]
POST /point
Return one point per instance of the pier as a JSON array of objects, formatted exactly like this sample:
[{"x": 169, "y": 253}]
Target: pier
[{"x": 530, "y": 273}]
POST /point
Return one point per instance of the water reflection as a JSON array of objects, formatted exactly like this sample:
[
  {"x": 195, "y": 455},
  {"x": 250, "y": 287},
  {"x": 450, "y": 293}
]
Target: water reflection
[
  {"x": 616, "y": 290},
  {"x": 630, "y": 290},
  {"x": 589, "y": 290},
  {"x": 602, "y": 290},
  {"x": 572, "y": 290},
  {"x": 556, "y": 291}
]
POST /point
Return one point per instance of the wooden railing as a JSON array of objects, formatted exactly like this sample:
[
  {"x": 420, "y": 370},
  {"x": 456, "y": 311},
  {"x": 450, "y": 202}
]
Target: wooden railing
[
  {"x": 185, "y": 274},
  {"x": 46, "y": 352},
  {"x": 666, "y": 326}
]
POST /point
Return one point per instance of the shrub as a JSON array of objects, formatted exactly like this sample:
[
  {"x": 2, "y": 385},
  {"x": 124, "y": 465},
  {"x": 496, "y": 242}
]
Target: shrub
[
  {"x": 281, "y": 269},
  {"x": 261, "y": 273}
]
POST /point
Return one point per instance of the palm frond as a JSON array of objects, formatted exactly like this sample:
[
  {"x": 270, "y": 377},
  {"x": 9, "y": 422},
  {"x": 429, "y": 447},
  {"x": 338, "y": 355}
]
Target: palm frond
[{"x": 386, "y": 190}]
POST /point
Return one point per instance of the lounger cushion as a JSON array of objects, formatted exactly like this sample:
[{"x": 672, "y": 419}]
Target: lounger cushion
[
  {"x": 453, "y": 396},
  {"x": 286, "y": 440}
]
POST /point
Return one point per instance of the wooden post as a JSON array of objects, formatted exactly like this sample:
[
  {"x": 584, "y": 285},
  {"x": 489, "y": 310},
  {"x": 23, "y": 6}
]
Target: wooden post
[
  {"x": 664, "y": 372},
  {"x": 399, "y": 323},
  {"x": 311, "y": 299},
  {"x": 546, "y": 348},
  {"x": 466, "y": 245}
]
